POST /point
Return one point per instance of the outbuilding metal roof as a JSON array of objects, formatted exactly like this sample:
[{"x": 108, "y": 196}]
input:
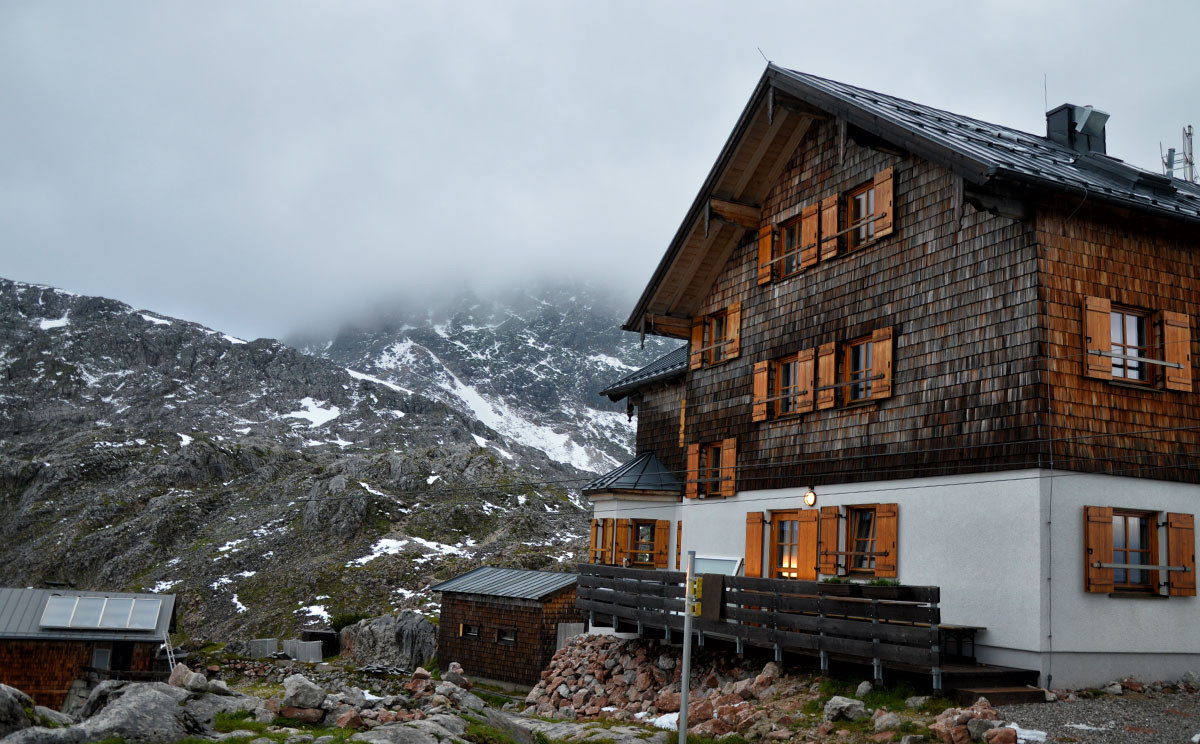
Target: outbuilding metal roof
[
  {"x": 507, "y": 582},
  {"x": 643, "y": 473},
  {"x": 991, "y": 150},
  {"x": 21, "y": 615},
  {"x": 671, "y": 364}
]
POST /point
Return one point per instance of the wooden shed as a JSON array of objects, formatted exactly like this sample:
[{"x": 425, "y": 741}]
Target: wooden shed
[
  {"x": 503, "y": 623},
  {"x": 49, "y": 638}
]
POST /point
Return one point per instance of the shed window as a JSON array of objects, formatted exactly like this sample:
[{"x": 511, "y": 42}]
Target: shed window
[
  {"x": 506, "y": 636},
  {"x": 468, "y": 631}
]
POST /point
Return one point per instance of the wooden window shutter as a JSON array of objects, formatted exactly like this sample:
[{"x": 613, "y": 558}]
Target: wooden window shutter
[
  {"x": 761, "y": 372},
  {"x": 827, "y": 375},
  {"x": 883, "y": 203},
  {"x": 594, "y": 543},
  {"x": 1097, "y": 337},
  {"x": 887, "y": 531},
  {"x": 807, "y": 539},
  {"x": 810, "y": 235},
  {"x": 609, "y": 541},
  {"x": 805, "y": 368},
  {"x": 766, "y": 253},
  {"x": 662, "y": 540},
  {"x": 728, "y": 467},
  {"x": 1181, "y": 551},
  {"x": 733, "y": 330},
  {"x": 1098, "y": 537},
  {"x": 693, "y": 474},
  {"x": 829, "y": 227},
  {"x": 621, "y": 547},
  {"x": 1177, "y": 349},
  {"x": 754, "y": 543},
  {"x": 827, "y": 544},
  {"x": 881, "y": 360},
  {"x": 696, "y": 357},
  {"x": 678, "y": 544},
  {"x": 682, "y": 418}
]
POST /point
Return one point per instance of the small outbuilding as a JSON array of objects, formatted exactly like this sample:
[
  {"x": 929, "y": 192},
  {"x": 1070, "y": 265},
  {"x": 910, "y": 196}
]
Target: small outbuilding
[
  {"x": 506, "y": 623},
  {"x": 49, "y": 638}
]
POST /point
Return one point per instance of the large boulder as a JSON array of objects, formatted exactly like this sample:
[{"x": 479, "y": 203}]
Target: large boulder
[
  {"x": 144, "y": 713},
  {"x": 839, "y": 707},
  {"x": 300, "y": 692},
  {"x": 43, "y": 735},
  {"x": 407, "y": 640},
  {"x": 13, "y": 704}
]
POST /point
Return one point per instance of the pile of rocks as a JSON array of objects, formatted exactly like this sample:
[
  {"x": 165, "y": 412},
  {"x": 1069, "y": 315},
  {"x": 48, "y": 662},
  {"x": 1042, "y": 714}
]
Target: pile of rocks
[
  {"x": 980, "y": 722},
  {"x": 606, "y": 677}
]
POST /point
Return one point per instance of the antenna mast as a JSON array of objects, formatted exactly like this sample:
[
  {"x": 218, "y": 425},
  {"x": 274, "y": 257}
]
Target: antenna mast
[{"x": 1189, "y": 158}]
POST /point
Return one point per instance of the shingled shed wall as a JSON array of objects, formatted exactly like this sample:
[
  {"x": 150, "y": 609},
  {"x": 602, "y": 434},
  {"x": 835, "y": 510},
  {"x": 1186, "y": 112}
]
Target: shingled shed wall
[
  {"x": 1093, "y": 253},
  {"x": 535, "y": 621},
  {"x": 44, "y": 670},
  {"x": 962, "y": 304}
]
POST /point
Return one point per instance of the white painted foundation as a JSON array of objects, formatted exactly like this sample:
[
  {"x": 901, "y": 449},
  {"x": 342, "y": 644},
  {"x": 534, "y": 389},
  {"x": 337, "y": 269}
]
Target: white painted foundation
[{"x": 1007, "y": 551}]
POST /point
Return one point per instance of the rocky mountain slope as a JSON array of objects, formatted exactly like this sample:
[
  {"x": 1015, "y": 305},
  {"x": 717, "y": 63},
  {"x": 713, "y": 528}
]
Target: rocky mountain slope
[
  {"x": 527, "y": 363},
  {"x": 266, "y": 487}
]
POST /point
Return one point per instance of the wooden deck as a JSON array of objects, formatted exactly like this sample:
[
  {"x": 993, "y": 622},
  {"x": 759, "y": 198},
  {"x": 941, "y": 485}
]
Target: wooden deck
[{"x": 894, "y": 627}]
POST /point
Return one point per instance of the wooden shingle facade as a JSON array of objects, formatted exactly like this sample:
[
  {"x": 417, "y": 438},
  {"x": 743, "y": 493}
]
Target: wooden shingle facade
[{"x": 960, "y": 341}]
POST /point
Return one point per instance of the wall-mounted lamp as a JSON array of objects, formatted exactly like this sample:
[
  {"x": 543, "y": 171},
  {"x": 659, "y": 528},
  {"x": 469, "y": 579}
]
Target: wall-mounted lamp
[{"x": 810, "y": 497}]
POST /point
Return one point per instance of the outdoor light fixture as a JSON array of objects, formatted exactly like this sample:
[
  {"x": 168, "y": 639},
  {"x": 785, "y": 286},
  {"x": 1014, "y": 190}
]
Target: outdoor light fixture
[{"x": 810, "y": 497}]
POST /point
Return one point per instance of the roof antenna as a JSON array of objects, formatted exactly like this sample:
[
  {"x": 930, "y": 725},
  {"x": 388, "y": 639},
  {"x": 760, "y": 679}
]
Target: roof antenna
[
  {"x": 1045, "y": 93},
  {"x": 760, "y": 51}
]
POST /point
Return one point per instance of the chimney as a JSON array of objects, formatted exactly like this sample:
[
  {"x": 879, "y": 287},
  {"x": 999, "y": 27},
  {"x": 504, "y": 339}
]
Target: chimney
[{"x": 1080, "y": 128}]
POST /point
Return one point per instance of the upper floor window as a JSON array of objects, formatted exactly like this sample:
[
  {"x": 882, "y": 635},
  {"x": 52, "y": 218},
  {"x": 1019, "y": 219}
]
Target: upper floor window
[
  {"x": 1130, "y": 344},
  {"x": 858, "y": 370},
  {"x": 861, "y": 202},
  {"x": 790, "y": 263},
  {"x": 1135, "y": 345},
  {"x": 716, "y": 336},
  {"x": 787, "y": 385},
  {"x": 711, "y": 469}
]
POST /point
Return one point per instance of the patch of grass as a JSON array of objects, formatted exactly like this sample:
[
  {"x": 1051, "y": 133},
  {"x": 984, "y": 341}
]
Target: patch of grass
[
  {"x": 492, "y": 699},
  {"x": 480, "y": 733},
  {"x": 342, "y": 619},
  {"x": 242, "y": 720},
  {"x": 727, "y": 739}
]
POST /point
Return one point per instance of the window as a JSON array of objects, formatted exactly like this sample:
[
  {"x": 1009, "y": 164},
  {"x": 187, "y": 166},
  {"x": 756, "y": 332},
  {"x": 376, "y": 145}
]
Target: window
[
  {"x": 786, "y": 385},
  {"x": 101, "y": 656},
  {"x": 1117, "y": 541},
  {"x": 643, "y": 546},
  {"x": 468, "y": 631},
  {"x": 716, "y": 337},
  {"x": 506, "y": 636},
  {"x": 860, "y": 541},
  {"x": 858, "y": 370},
  {"x": 1135, "y": 539},
  {"x": 710, "y": 469},
  {"x": 870, "y": 540},
  {"x": 862, "y": 207},
  {"x": 602, "y": 541},
  {"x": 1130, "y": 338},
  {"x": 1137, "y": 346},
  {"x": 790, "y": 257},
  {"x": 794, "y": 544}
]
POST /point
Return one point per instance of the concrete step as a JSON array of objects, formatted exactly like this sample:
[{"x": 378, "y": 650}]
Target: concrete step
[{"x": 1000, "y": 695}]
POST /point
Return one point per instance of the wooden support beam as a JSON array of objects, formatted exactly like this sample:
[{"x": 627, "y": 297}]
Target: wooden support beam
[{"x": 739, "y": 214}]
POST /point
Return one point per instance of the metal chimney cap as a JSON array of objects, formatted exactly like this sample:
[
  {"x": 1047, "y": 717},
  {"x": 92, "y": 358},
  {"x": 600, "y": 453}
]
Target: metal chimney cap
[{"x": 1089, "y": 120}]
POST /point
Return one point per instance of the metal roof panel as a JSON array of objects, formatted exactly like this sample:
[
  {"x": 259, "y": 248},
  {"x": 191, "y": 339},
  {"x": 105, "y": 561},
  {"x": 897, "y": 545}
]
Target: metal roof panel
[
  {"x": 507, "y": 582},
  {"x": 21, "y": 614}
]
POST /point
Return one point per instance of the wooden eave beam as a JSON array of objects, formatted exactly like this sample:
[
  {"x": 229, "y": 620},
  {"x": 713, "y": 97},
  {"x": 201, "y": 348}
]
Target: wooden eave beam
[
  {"x": 746, "y": 215},
  {"x": 698, "y": 261}
]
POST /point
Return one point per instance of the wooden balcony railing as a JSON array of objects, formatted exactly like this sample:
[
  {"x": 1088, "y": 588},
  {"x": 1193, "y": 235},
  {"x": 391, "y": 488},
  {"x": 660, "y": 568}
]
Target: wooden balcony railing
[{"x": 896, "y": 625}]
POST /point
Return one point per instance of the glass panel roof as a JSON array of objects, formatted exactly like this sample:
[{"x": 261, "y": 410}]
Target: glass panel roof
[
  {"x": 145, "y": 614},
  {"x": 58, "y": 612},
  {"x": 87, "y": 612},
  {"x": 116, "y": 613}
]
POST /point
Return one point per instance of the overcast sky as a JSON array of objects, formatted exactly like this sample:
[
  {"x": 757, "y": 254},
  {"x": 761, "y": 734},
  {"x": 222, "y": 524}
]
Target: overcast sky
[{"x": 260, "y": 166}]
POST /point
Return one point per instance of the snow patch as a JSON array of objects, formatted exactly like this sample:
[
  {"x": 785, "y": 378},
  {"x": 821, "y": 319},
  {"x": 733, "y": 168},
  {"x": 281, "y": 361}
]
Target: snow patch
[
  {"x": 317, "y": 610},
  {"x": 245, "y": 574},
  {"x": 432, "y": 479},
  {"x": 154, "y": 320},
  {"x": 185, "y": 440},
  {"x": 1027, "y": 735},
  {"x": 46, "y": 324},
  {"x": 480, "y": 440},
  {"x": 221, "y": 582},
  {"x": 315, "y": 413},
  {"x": 386, "y": 546},
  {"x": 162, "y": 586},
  {"x": 237, "y": 604},
  {"x": 376, "y": 380},
  {"x": 244, "y": 431},
  {"x": 232, "y": 339},
  {"x": 231, "y": 545}
]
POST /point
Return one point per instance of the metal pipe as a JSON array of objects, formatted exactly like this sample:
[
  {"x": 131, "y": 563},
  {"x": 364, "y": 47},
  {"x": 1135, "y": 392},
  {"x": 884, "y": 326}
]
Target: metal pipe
[
  {"x": 1131, "y": 358},
  {"x": 1141, "y": 566}
]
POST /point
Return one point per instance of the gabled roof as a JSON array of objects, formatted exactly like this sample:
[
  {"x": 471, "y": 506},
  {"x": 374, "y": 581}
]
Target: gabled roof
[
  {"x": 778, "y": 116},
  {"x": 507, "y": 582},
  {"x": 643, "y": 473},
  {"x": 669, "y": 365},
  {"x": 21, "y": 615}
]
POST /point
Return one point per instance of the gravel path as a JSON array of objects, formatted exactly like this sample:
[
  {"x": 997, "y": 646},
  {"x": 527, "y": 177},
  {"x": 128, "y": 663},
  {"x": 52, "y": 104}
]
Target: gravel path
[{"x": 1161, "y": 718}]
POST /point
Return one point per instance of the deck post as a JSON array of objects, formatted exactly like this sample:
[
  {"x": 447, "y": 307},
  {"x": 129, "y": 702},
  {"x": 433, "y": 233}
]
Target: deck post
[
  {"x": 876, "y": 664},
  {"x": 936, "y": 633},
  {"x": 700, "y": 638},
  {"x": 778, "y": 654},
  {"x": 741, "y": 646},
  {"x": 686, "y": 672},
  {"x": 821, "y": 635}
]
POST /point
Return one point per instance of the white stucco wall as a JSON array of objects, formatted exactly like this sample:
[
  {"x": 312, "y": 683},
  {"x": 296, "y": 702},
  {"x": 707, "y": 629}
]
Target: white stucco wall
[{"x": 1007, "y": 551}]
